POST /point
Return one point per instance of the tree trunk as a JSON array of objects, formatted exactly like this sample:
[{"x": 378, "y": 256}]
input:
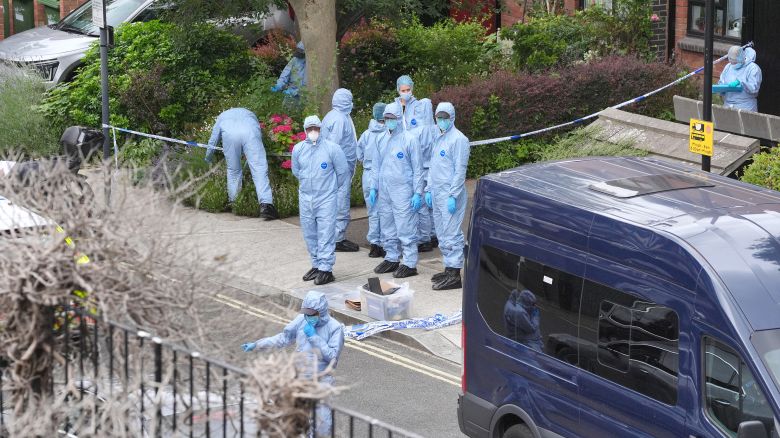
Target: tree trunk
[{"x": 318, "y": 27}]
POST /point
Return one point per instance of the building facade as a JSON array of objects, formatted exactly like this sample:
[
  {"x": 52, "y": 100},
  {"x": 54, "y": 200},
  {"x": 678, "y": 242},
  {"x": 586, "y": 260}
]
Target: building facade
[
  {"x": 737, "y": 22},
  {"x": 20, "y": 15}
]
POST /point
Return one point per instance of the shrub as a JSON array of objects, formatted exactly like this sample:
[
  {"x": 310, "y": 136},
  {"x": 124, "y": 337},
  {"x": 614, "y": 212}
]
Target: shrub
[
  {"x": 561, "y": 40},
  {"x": 23, "y": 129},
  {"x": 510, "y": 103},
  {"x": 369, "y": 61},
  {"x": 163, "y": 78},
  {"x": 275, "y": 50},
  {"x": 765, "y": 170},
  {"x": 281, "y": 133},
  {"x": 447, "y": 53}
]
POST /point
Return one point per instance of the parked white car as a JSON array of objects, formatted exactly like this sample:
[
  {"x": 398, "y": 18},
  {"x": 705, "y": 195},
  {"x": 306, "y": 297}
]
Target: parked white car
[{"x": 56, "y": 50}]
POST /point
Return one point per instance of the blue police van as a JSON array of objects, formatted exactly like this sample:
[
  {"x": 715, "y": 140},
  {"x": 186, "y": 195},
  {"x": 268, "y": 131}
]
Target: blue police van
[{"x": 621, "y": 297}]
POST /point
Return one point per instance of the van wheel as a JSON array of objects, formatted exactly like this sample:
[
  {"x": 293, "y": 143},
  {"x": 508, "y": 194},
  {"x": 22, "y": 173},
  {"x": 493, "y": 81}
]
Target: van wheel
[{"x": 518, "y": 431}]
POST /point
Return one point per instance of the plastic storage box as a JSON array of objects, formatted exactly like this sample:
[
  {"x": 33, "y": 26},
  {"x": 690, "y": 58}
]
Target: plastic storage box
[{"x": 388, "y": 307}]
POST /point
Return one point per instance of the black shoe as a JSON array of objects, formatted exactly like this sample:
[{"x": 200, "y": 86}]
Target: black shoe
[
  {"x": 268, "y": 212},
  {"x": 311, "y": 274},
  {"x": 439, "y": 276},
  {"x": 425, "y": 247},
  {"x": 324, "y": 277},
  {"x": 347, "y": 246},
  {"x": 376, "y": 251},
  {"x": 386, "y": 266},
  {"x": 451, "y": 281},
  {"x": 404, "y": 271},
  {"x": 435, "y": 242}
]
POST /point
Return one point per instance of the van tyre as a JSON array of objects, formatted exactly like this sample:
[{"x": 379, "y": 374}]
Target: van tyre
[{"x": 518, "y": 431}]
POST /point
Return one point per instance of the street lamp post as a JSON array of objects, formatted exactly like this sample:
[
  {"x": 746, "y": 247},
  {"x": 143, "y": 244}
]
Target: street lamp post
[
  {"x": 99, "y": 18},
  {"x": 709, "y": 29}
]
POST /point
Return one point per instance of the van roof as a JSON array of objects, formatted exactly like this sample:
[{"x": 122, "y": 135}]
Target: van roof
[{"x": 734, "y": 226}]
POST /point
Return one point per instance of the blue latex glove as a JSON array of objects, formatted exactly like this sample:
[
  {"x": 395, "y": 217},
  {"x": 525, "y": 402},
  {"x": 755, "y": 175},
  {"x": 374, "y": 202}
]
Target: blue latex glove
[
  {"x": 416, "y": 202},
  {"x": 451, "y": 205},
  {"x": 275, "y": 89},
  {"x": 308, "y": 330},
  {"x": 429, "y": 199},
  {"x": 372, "y": 197},
  {"x": 734, "y": 83},
  {"x": 209, "y": 158},
  {"x": 289, "y": 92},
  {"x": 249, "y": 346}
]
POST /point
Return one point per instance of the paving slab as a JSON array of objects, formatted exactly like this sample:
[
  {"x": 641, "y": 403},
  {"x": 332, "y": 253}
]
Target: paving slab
[{"x": 269, "y": 258}]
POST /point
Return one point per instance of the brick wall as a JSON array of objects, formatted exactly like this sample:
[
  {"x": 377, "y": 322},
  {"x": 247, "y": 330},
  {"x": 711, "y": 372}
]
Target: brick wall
[
  {"x": 39, "y": 15},
  {"x": 67, "y": 6},
  {"x": 658, "y": 42},
  {"x": 692, "y": 58},
  {"x": 513, "y": 13}
]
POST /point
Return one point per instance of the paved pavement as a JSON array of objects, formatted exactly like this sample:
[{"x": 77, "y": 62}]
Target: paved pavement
[
  {"x": 383, "y": 379},
  {"x": 260, "y": 256}
]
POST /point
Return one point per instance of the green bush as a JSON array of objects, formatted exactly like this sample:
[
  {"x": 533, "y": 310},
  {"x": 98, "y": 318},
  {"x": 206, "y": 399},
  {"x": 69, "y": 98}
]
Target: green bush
[
  {"x": 765, "y": 170},
  {"x": 447, "y": 53},
  {"x": 547, "y": 41},
  {"x": 23, "y": 128},
  {"x": 369, "y": 62},
  {"x": 162, "y": 78}
]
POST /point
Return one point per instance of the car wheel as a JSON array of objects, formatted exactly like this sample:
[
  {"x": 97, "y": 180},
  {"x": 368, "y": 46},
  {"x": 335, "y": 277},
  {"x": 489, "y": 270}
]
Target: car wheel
[{"x": 518, "y": 431}]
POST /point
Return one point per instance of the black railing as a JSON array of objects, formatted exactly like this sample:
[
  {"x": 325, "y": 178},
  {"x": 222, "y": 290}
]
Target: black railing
[{"x": 161, "y": 388}]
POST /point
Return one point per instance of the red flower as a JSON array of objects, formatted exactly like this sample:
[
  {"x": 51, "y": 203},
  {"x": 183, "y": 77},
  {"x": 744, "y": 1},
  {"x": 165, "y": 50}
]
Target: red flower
[
  {"x": 285, "y": 128},
  {"x": 301, "y": 136},
  {"x": 276, "y": 118},
  {"x": 286, "y": 164},
  {"x": 292, "y": 146},
  {"x": 277, "y": 129}
]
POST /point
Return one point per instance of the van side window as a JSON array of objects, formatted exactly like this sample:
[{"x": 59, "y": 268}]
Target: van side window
[
  {"x": 630, "y": 341},
  {"x": 530, "y": 303},
  {"x": 731, "y": 393}
]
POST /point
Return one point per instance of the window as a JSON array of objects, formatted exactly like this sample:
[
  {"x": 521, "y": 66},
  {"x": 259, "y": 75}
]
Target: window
[
  {"x": 728, "y": 18},
  {"x": 731, "y": 393},
  {"x": 622, "y": 338},
  {"x": 630, "y": 341},
  {"x": 530, "y": 303}
]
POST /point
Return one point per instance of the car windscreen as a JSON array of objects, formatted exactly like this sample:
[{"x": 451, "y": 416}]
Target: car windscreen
[
  {"x": 117, "y": 12},
  {"x": 767, "y": 342}
]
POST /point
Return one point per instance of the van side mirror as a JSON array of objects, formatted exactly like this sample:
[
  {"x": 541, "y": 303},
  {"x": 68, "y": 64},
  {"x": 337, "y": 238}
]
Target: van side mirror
[{"x": 751, "y": 429}]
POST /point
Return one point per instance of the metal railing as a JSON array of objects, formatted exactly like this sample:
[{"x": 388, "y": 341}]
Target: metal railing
[{"x": 163, "y": 388}]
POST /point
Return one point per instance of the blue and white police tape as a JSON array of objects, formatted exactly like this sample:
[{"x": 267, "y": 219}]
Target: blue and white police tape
[
  {"x": 582, "y": 120},
  {"x": 361, "y": 331},
  {"x": 193, "y": 144}
]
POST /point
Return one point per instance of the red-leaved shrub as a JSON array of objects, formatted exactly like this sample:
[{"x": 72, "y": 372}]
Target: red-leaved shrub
[{"x": 525, "y": 102}]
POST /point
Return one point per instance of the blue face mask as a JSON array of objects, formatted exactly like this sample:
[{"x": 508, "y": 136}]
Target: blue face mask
[
  {"x": 391, "y": 124},
  {"x": 443, "y": 124},
  {"x": 312, "y": 320}
]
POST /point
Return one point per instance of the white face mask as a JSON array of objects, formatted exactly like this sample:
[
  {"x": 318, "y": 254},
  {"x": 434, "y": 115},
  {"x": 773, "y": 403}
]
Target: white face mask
[{"x": 313, "y": 136}]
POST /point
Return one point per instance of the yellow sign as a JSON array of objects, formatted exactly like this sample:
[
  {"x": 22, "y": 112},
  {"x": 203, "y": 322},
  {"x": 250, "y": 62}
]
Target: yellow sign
[{"x": 701, "y": 137}]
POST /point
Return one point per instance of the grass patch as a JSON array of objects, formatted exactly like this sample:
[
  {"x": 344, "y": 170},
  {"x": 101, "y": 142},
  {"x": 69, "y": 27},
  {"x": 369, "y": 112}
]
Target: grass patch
[
  {"x": 23, "y": 129},
  {"x": 584, "y": 143}
]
